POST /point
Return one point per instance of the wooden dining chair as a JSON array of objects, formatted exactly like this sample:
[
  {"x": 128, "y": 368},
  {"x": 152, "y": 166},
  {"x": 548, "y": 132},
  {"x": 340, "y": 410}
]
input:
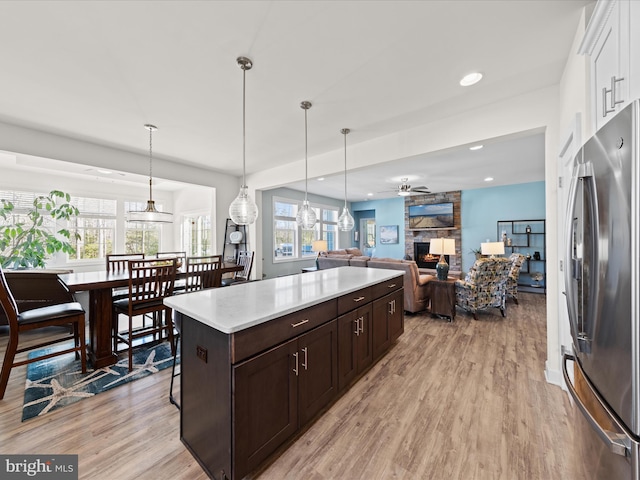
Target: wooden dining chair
[
  {"x": 246, "y": 260},
  {"x": 150, "y": 282},
  {"x": 62, "y": 314},
  {"x": 202, "y": 273},
  {"x": 119, "y": 262}
]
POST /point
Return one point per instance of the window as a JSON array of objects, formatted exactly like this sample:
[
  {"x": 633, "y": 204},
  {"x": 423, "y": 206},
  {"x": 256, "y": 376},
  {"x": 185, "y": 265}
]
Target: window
[
  {"x": 96, "y": 226},
  {"x": 141, "y": 237},
  {"x": 291, "y": 242},
  {"x": 196, "y": 233}
]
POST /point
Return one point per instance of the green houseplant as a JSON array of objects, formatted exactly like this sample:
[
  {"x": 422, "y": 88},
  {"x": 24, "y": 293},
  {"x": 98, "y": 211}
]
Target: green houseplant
[{"x": 28, "y": 242}]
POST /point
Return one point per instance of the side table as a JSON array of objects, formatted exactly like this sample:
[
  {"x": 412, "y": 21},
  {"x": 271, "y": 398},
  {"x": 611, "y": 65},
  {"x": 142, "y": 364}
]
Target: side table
[{"x": 443, "y": 297}]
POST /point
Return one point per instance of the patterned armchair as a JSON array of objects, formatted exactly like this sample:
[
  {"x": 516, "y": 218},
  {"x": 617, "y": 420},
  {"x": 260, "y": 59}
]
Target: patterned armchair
[
  {"x": 517, "y": 259},
  {"x": 484, "y": 286}
]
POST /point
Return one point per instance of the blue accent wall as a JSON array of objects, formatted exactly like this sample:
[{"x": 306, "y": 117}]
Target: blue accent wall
[
  {"x": 482, "y": 208},
  {"x": 386, "y": 212}
]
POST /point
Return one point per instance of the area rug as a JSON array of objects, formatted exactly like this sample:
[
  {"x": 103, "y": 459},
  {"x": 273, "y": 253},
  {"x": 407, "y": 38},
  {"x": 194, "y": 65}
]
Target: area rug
[{"x": 56, "y": 382}]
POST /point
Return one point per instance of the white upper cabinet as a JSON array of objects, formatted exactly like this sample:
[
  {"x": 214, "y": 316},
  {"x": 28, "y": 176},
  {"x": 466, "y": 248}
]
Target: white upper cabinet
[{"x": 608, "y": 43}]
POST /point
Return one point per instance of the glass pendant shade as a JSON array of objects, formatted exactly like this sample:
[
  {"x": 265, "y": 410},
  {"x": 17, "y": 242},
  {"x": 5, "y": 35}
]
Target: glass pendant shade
[
  {"x": 150, "y": 214},
  {"x": 345, "y": 221},
  {"x": 243, "y": 210},
  {"x": 306, "y": 216}
]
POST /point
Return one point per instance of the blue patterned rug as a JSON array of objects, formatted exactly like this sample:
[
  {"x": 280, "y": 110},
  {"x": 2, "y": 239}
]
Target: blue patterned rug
[{"x": 56, "y": 382}]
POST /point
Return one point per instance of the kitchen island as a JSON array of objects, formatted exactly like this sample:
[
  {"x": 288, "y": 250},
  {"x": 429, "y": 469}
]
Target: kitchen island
[{"x": 262, "y": 359}]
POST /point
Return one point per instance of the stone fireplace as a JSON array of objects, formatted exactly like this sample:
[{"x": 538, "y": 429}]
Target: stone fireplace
[{"x": 422, "y": 256}]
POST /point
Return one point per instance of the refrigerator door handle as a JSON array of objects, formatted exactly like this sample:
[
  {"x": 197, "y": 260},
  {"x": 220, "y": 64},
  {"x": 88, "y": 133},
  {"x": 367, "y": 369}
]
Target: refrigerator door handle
[
  {"x": 580, "y": 249},
  {"x": 617, "y": 443}
]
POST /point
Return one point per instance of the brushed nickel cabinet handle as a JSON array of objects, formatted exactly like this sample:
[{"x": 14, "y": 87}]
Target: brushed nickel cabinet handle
[
  {"x": 361, "y": 325},
  {"x": 295, "y": 370},
  {"x": 391, "y": 286},
  {"x": 304, "y": 364},
  {"x": 357, "y": 322},
  {"x": 359, "y": 299},
  {"x": 294, "y": 325}
]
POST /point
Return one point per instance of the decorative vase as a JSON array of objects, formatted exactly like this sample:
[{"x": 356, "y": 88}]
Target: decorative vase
[{"x": 442, "y": 269}]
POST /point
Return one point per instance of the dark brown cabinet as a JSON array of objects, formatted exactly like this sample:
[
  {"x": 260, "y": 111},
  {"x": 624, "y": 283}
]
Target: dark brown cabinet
[
  {"x": 388, "y": 321},
  {"x": 355, "y": 347},
  {"x": 279, "y": 391},
  {"x": 245, "y": 394}
]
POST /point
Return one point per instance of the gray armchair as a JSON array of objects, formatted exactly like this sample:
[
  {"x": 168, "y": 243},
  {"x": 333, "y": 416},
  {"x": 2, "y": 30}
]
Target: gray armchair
[{"x": 484, "y": 286}]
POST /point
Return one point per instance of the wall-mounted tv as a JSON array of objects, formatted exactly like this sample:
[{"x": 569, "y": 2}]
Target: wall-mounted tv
[{"x": 432, "y": 215}]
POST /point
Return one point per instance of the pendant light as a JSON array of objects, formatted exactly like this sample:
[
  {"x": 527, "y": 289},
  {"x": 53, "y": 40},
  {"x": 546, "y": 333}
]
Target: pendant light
[
  {"x": 150, "y": 214},
  {"x": 243, "y": 210},
  {"x": 345, "y": 221},
  {"x": 306, "y": 216}
]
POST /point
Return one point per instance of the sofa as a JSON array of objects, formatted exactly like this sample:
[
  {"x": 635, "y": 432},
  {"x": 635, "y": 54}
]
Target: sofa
[{"x": 416, "y": 291}]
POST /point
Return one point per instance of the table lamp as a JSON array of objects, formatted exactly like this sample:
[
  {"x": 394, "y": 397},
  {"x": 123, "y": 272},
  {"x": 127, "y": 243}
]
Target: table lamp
[
  {"x": 318, "y": 246},
  {"x": 442, "y": 247},
  {"x": 492, "y": 248}
]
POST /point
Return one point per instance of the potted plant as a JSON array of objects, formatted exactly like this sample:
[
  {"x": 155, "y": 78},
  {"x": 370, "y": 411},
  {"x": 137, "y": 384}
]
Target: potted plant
[{"x": 28, "y": 243}]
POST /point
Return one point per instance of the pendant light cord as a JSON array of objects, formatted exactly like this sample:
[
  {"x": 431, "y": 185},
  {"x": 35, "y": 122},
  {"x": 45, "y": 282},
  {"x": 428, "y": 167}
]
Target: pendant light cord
[
  {"x": 150, "y": 163},
  {"x": 244, "y": 126},
  {"x": 345, "y": 168},
  {"x": 305, "y": 156}
]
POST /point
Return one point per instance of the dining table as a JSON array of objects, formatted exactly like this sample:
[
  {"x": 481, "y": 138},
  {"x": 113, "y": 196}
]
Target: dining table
[{"x": 100, "y": 285}]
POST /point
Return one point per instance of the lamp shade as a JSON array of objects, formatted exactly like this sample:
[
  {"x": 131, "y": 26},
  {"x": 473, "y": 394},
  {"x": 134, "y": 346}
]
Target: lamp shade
[
  {"x": 319, "y": 246},
  {"x": 442, "y": 246},
  {"x": 492, "y": 248}
]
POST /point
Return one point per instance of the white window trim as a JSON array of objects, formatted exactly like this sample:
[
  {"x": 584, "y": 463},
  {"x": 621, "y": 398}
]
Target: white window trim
[{"x": 298, "y": 246}]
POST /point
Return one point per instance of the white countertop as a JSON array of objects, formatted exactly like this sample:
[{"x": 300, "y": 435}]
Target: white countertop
[{"x": 235, "y": 308}]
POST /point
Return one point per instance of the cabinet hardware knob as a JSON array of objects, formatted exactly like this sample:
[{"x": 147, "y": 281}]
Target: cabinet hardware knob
[
  {"x": 294, "y": 325},
  {"x": 359, "y": 299}
]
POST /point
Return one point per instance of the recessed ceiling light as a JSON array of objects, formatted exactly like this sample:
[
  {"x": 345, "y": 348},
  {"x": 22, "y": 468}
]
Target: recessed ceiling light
[
  {"x": 320, "y": 179},
  {"x": 369, "y": 194},
  {"x": 488, "y": 179},
  {"x": 104, "y": 172},
  {"x": 471, "y": 79},
  {"x": 476, "y": 147}
]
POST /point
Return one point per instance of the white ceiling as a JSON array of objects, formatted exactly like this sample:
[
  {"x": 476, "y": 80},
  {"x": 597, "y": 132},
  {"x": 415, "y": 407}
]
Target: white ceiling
[{"x": 100, "y": 70}]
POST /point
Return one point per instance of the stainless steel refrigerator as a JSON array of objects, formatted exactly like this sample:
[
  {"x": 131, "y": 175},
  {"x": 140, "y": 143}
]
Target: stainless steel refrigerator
[{"x": 602, "y": 285}]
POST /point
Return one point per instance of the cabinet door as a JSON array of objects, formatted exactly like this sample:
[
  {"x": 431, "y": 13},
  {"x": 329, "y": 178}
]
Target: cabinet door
[
  {"x": 265, "y": 405},
  {"x": 610, "y": 65},
  {"x": 381, "y": 334},
  {"x": 355, "y": 344},
  {"x": 318, "y": 369},
  {"x": 347, "y": 348},
  {"x": 364, "y": 337},
  {"x": 396, "y": 317}
]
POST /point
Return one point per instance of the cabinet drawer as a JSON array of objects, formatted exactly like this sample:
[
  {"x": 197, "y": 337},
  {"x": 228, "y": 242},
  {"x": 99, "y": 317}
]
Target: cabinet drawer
[
  {"x": 355, "y": 299},
  {"x": 381, "y": 289},
  {"x": 256, "y": 339}
]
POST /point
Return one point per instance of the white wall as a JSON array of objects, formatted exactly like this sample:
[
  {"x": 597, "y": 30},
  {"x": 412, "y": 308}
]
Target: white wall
[{"x": 572, "y": 106}]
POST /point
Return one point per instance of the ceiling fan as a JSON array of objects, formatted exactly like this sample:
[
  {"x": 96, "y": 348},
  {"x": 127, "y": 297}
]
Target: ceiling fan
[{"x": 405, "y": 189}]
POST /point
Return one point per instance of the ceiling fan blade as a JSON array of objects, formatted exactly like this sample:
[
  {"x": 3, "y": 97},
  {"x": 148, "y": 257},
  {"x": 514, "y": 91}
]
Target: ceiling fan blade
[{"x": 421, "y": 189}]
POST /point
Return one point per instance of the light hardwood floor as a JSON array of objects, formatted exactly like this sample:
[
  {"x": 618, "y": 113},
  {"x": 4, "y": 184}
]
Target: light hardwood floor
[{"x": 463, "y": 400}]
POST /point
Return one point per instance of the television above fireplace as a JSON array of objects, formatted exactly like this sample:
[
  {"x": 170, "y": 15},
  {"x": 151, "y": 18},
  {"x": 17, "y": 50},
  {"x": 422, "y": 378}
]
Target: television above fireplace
[{"x": 431, "y": 216}]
